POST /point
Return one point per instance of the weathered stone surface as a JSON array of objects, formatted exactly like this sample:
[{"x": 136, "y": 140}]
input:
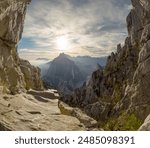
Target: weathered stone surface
[
  {"x": 14, "y": 73},
  {"x": 89, "y": 122},
  {"x": 31, "y": 75},
  {"x": 134, "y": 25},
  {"x": 146, "y": 125},
  {"x": 65, "y": 109},
  {"x": 27, "y": 113},
  {"x": 12, "y": 15},
  {"x": 11, "y": 76},
  {"x": 49, "y": 94},
  {"x": 139, "y": 91},
  {"x": 99, "y": 110}
]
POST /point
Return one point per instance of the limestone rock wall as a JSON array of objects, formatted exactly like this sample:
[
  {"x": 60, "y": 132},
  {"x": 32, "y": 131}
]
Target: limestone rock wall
[
  {"x": 31, "y": 75},
  {"x": 138, "y": 92},
  {"x": 12, "y": 16}
]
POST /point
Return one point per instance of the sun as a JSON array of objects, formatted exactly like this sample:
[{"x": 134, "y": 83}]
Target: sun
[{"x": 62, "y": 43}]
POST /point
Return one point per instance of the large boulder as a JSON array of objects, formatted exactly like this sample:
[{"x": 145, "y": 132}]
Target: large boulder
[{"x": 89, "y": 122}]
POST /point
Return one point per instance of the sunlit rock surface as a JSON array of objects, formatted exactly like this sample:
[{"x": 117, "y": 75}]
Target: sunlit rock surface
[
  {"x": 146, "y": 125},
  {"x": 27, "y": 112},
  {"x": 88, "y": 122},
  {"x": 14, "y": 73}
]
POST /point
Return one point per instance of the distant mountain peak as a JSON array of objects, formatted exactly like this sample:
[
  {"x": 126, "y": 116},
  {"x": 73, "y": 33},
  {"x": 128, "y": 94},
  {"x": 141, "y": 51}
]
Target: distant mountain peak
[
  {"x": 64, "y": 74},
  {"x": 63, "y": 55},
  {"x": 67, "y": 73}
]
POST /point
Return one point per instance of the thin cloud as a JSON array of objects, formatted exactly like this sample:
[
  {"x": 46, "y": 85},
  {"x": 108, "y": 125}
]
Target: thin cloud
[{"x": 99, "y": 24}]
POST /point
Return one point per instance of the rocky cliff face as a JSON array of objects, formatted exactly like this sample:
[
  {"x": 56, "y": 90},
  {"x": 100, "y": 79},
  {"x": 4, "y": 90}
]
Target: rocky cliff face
[
  {"x": 13, "y": 74},
  {"x": 120, "y": 92},
  {"x": 31, "y": 75},
  {"x": 138, "y": 92}
]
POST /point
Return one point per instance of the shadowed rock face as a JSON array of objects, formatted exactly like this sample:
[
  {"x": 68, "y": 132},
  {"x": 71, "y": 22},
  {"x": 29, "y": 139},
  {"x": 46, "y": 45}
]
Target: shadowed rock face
[
  {"x": 13, "y": 72},
  {"x": 64, "y": 74},
  {"x": 139, "y": 93},
  {"x": 123, "y": 86}
]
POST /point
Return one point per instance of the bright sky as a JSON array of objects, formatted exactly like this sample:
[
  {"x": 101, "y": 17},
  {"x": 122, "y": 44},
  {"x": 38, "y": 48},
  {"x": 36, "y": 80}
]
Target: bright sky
[{"x": 76, "y": 27}]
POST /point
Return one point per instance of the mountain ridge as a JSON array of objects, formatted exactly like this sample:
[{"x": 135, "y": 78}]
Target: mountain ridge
[
  {"x": 81, "y": 66},
  {"x": 63, "y": 74}
]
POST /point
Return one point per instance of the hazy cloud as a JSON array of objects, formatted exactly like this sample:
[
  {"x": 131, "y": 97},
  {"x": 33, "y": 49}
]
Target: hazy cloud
[{"x": 93, "y": 27}]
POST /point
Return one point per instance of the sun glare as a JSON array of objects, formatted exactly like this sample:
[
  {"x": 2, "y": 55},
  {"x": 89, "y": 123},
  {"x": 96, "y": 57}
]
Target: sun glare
[{"x": 62, "y": 43}]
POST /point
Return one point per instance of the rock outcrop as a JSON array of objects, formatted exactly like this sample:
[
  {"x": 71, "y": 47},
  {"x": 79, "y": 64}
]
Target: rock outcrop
[
  {"x": 138, "y": 92},
  {"x": 146, "y": 125},
  {"x": 13, "y": 74},
  {"x": 89, "y": 122},
  {"x": 122, "y": 88},
  {"x": 31, "y": 75},
  {"x": 24, "y": 112}
]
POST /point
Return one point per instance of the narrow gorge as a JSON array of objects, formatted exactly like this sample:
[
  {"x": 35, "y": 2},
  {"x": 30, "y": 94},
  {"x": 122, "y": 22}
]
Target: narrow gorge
[{"x": 115, "y": 98}]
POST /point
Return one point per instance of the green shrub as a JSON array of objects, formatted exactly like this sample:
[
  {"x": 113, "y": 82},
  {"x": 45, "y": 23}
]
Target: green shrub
[{"x": 125, "y": 122}]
